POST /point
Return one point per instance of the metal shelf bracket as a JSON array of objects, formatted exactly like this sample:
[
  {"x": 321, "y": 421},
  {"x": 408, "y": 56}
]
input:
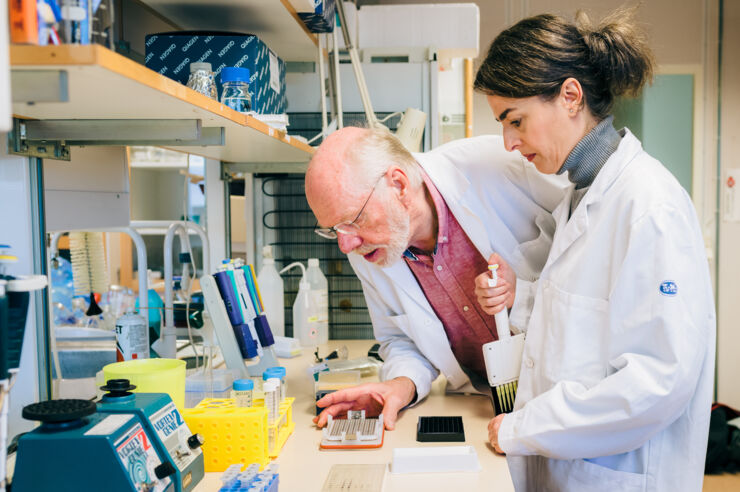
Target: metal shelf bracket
[{"x": 51, "y": 139}]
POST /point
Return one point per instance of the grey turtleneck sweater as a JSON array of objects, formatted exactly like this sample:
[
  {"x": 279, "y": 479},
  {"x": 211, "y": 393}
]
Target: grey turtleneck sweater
[{"x": 588, "y": 157}]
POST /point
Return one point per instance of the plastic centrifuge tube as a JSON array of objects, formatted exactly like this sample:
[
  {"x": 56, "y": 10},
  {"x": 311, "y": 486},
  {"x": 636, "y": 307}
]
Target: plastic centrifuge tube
[
  {"x": 242, "y": 392},
  {"x": 280, "y": 373}
]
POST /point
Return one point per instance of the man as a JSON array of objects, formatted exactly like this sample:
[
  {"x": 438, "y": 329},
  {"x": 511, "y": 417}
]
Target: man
[{"x": 418, "y": 230}]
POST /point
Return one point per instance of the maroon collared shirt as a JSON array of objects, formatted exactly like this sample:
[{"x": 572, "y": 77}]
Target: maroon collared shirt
[{"x": 447, "y": 278}]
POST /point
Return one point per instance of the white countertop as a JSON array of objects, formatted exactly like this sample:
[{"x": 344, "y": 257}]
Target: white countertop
[{"x": 304, "y": 467}]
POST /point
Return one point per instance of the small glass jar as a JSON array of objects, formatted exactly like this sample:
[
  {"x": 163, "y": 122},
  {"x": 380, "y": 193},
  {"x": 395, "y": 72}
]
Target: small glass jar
[
  {"x": 242, "y": 392},
  {"x": 202, "y": 79},
  {"x": 235, "y": 92}
]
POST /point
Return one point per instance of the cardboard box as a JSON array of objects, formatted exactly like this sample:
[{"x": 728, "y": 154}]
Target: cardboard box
[
  {"x": 171, "y": 54},
  {"x": 322, "y": 17}
]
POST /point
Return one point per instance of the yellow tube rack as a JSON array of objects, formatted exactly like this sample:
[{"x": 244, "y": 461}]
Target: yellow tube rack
[{"x": 237, "y": 434}]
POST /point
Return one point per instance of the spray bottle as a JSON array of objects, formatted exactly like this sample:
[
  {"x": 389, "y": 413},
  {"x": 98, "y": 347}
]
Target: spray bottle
[
  {"x": 305, "y": 311},
  {"x": 273, "y": 292}
]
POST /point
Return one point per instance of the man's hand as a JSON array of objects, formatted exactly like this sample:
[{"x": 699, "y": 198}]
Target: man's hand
[
  {"x": 388, "y": 398},
  {"x": 493, "y": 427},
  {"x": 495, "y": 299}
]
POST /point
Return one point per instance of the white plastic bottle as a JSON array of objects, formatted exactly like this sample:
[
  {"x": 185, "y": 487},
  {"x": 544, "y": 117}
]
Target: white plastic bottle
[
  {"x": 320, "y": 297},
  {"x": 305, "y": 316},
  {"x": 305, "y": 312},
  {"x": 272, "y": 289}
]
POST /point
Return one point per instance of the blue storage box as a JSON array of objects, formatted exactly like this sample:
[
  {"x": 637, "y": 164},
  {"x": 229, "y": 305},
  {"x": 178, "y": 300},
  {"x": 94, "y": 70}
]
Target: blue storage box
[
  {"x": 171, "y": 54},
  {"x": 322, "y": 18}
]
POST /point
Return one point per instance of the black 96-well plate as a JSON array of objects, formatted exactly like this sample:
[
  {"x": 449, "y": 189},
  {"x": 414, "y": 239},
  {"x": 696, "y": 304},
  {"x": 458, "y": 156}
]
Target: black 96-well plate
[{"x": 440, "y": 429}]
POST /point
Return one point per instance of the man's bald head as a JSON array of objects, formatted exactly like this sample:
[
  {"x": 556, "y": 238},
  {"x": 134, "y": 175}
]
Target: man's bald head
[
  {"x": 348, "y": 163},
  {"x": 327, "y": 171}
]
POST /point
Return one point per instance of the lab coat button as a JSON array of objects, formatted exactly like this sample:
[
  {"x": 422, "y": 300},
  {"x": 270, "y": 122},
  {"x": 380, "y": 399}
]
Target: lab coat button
[
  {"x": 439, "y": 267},
  {"x": 529, "y": 363},
  {"x": 465, "y": 308}
]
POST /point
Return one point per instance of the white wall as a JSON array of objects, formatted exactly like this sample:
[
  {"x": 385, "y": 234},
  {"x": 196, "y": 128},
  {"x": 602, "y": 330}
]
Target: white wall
[{"x": 157, "y": 194}]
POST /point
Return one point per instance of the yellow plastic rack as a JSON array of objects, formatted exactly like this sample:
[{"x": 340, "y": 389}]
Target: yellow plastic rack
[{"x": 237, "y": 434}]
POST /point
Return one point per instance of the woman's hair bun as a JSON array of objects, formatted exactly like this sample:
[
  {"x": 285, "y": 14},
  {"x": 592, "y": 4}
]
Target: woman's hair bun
[{"x": 619, "y": 51}]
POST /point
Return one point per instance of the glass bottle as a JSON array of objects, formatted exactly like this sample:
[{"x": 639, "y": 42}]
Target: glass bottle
[
  {"x": 235, "y": 92},
  {"x": 202, "y": 79}
]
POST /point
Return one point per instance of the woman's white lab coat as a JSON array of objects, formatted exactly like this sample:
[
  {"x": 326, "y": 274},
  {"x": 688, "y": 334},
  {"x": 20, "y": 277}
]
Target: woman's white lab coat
[
  {"x": 504, "y": 205},
  {"x": 618, "y": 368}
]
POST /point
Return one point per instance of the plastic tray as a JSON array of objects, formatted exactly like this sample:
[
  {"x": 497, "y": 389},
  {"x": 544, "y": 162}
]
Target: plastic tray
[{"x": 435, "y": 459}]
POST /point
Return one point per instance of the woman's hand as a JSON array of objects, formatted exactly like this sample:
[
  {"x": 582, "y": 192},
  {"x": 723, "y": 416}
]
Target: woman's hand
[
  {"x": 493, "y": 427},
  {"x": 495, "y": 299}
]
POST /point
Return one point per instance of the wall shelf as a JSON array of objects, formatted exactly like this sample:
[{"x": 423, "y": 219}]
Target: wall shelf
[
  {"x": 274, "y": 21},
  {"x": 105, "y": 85}
]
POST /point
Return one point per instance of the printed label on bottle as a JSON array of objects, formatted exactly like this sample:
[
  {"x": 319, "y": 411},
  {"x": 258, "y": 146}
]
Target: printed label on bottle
[
  {"x": 320, "y": 299},
  {"x": 323, "y": 306}
]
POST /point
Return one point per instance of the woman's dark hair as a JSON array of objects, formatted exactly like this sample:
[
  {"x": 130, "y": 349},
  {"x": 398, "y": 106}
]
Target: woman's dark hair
[{"x": 536, "y": 55}]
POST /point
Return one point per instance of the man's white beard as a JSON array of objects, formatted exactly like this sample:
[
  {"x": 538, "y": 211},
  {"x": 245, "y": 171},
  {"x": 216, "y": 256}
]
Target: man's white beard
[{"x": 399, "y": 227}]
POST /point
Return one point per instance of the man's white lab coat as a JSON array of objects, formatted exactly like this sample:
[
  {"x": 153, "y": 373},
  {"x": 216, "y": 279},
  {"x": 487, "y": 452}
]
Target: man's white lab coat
[
  {"x": 504, "y": 205},
  {"x": 618, "y": 368}
]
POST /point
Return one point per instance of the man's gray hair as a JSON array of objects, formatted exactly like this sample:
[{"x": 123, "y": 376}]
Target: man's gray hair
[{"x": 374, "y": 153}]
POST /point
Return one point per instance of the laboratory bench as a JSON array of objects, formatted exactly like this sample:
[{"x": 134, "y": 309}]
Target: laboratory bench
[{"x": 304, "y": 467}]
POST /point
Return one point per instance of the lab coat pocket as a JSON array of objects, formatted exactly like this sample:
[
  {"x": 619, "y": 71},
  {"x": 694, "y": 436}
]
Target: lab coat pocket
[
  {"x": 584, "y": 475},
  {"x": 577, "y": 337}
]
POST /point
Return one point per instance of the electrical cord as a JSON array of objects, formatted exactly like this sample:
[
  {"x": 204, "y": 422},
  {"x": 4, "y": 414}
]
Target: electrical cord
[{"x": 397, "y": 113}]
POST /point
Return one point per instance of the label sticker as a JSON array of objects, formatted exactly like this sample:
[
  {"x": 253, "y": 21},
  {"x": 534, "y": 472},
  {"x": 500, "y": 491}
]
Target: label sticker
[
  {"x": 731, "y": 203},
  {"x": 109, "y": 425},
  {"x": 274, "y": 73},
  {"x": 174, "y": 433},
  {"x": 669, "y": 288},
  {"x": 140, "y": 459}
]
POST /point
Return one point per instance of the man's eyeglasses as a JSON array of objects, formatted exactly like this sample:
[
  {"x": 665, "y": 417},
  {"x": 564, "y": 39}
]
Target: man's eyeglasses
[{"x": 348, "y": 228}]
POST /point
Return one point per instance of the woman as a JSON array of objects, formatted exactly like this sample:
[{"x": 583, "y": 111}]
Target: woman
[{"x": 617, "y": 372}]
